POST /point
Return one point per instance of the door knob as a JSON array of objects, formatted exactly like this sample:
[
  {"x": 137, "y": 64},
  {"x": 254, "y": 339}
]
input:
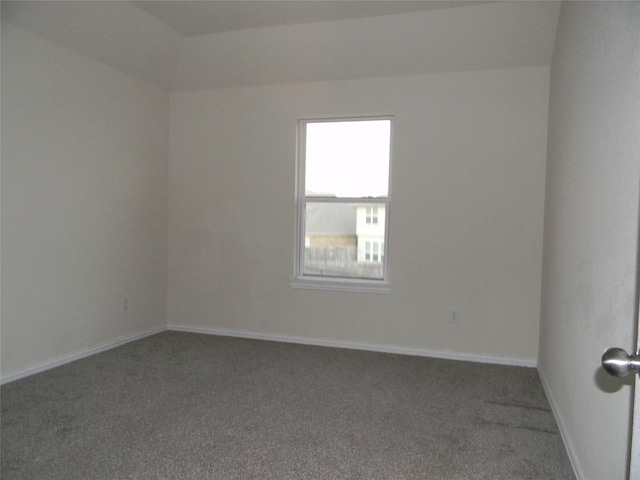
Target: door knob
[{"x": 619, "y": 363}]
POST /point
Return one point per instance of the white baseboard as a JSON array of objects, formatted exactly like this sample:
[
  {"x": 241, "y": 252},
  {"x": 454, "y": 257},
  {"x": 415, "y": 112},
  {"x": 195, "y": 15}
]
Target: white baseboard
[
  {"x": 568, "y": 445},
  {"x": 322, "y": 342},
  {"x": 56, "y": 362},
  {"x": 326, "y": 342}
]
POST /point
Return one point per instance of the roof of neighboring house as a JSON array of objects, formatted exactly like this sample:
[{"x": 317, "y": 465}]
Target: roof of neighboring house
[{"x": 330, "y": 218}]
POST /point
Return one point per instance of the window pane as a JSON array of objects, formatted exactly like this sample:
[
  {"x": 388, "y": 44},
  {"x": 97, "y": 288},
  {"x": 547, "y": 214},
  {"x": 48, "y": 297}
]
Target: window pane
[
  {"x": 338, "y": 241},
  {"x": 347, "y": 159}
]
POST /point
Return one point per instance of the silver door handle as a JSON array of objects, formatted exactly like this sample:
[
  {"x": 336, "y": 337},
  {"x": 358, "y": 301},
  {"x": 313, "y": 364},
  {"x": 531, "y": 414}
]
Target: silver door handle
[{"x": 619, "y": 363}]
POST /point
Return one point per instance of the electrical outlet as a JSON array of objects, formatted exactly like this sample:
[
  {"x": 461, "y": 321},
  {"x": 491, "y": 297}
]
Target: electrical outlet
[
  {"x": 125, "y": 304},
  {"x": 454, "y": 317}
]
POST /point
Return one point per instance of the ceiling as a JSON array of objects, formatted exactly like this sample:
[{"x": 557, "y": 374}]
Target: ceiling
[
  {"x": 184, "y": 45},
  {"x": 193, "y": 18}
]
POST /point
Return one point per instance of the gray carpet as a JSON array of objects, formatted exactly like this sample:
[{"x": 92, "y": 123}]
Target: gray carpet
[{"x": 188, "y": 406}]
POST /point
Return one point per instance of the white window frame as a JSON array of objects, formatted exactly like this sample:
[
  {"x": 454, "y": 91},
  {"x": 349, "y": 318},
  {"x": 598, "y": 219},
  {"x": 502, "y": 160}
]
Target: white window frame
[{"x": 343, "y": 284}]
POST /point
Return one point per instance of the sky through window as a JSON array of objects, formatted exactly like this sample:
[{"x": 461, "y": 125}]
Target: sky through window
[{"x": 348, "y": 159}]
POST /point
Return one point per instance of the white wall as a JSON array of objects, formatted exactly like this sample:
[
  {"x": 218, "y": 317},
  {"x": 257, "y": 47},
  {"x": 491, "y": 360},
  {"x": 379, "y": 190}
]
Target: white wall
[
  {"x": 591, "y": 228},
  {"x": 84, "y": 202},
  {"x": 466, "y": 215}
]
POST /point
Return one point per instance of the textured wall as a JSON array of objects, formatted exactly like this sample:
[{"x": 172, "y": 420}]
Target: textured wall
[
  {"x": 466, "y": 213},
  {"x": 84, "y": 202},
  {"x": 591, "y": 228}
]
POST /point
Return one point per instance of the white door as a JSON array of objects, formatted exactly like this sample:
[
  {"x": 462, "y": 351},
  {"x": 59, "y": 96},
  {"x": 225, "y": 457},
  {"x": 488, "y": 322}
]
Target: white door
[{"x": 620, "y": 364}]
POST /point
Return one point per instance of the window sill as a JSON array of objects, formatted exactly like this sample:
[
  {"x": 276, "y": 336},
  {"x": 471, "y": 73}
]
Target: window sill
[{"x": 341, "y": 285}]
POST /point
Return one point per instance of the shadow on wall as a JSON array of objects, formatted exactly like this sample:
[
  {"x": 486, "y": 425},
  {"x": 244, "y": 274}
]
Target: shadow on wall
[{"x": 610, "y": 384}]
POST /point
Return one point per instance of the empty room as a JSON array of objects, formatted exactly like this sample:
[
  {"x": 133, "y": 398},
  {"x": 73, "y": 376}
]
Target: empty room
[{"x": 319, "y": 240}]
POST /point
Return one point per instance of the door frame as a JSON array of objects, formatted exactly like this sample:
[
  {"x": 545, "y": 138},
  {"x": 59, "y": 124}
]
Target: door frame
[{"x": 634, "y": 453}]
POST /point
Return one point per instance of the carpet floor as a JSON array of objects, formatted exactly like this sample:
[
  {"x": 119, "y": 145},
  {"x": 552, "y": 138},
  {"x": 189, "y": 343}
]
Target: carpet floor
[{"x": 189, "y": 406}]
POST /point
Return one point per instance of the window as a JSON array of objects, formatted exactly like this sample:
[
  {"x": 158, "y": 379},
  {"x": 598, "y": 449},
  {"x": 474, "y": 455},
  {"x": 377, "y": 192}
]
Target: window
[
  {"x": 343, "y": 200},
  {"x": 372, "y": 215},
  {"x": 373, "y": 251}
]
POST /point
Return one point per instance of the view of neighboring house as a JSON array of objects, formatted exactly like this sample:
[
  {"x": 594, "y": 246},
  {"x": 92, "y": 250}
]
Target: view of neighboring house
[
  {"x": 370, "y": 230},
  {"x": 344, "y": 240}
]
